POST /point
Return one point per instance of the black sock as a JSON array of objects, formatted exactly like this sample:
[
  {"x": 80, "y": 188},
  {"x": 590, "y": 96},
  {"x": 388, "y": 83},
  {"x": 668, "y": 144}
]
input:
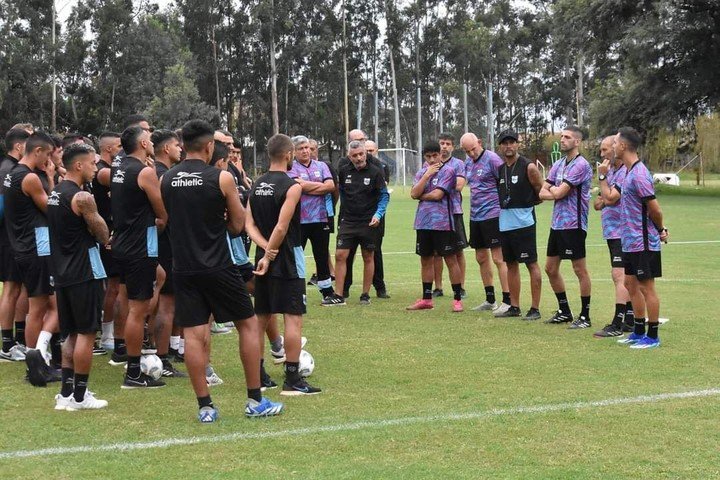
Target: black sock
[
  {"x": 629, "y": 314},
  {"x": 506, "y": 298},
  {"x": 255, "y": 394},
  {"x": 639, "y": 326},
  {"x": 457, "y": 291},
  {"x": 490, "y": 294},
  {"x": 120, "y": 347},
  {"x": 326, "y": 292},
  {"x": 66, "y": 388},
  {"x": 427, "y": 290},
  {"x": 56, "y": 348},
  {"x": 81, "y": 381},
  {"x": 617, "y": 320},
  {"x": 133, "y": 364},
  {"x": 7, "y": 339},
  {"x": 292, "y": 374},
  {"x": 563, "y": 302},
  {"x": 652, "y": 330},
  {"x": 585, "y": 301},
  {"x": 205, "y": 402},
  {"x": 19, "y": 332}
]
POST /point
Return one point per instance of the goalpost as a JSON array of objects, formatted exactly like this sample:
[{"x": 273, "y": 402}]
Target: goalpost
[{"x": 403, "y": 163}]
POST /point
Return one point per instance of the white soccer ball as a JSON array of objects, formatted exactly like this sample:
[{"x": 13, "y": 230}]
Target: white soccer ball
[
  {"x": 307, "y": 363},
  {"x": 152, "y": 366}
]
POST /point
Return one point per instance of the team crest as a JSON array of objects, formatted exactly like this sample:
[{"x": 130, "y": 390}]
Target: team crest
[
  {"x": 514, "y": 179},
  {"x": 366, "y": 181}
]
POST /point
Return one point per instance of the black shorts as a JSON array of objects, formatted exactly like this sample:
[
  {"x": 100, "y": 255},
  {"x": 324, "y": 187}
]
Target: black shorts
[
  {"x": 280, "y": 295},
  {"x": 460, "y": 230},
  {"x": 485, "y": 234},
  {"x": 643, "y": 265},
  {"x": 567, "y": 244},
  {"x": 350, "y": 236},
  {"x": 109, "y": 263},
  {"x": 436, "y": 242},
  {"x": 221, "y": 293},
  {"x": 35, "y": 275},
  {"x": 520, "y": 245},
  {"x": 9, "y": 271},
  {"x": 616, "y": 253},
  {"x": 166, "y": 263},
  {"x": 80, "y": 307},
  {"x": 246, "y": 271},
  {"x": 331, "y": 224},
  {"x": 138, "y": 276}
]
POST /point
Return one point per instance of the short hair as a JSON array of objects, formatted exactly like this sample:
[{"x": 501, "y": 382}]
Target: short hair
[
  {"x": 72, "y": 138},
  {"x": 312, "y": 140},
  {"x": 108, "y": 135},
  {"x": 57, "y": 140},
  {"x": 431, "y": 147},
  {"x": 24, "y": 126},
  {"x": 446, "y": 136},
  {"x": 134, "y": 119},
  {"x": 299, "y": 140},
  {"x": 278, "y": 145},
  {"x": 39, "y": 140},
  {"x": 14, "y": 136},
  {"x": 160, "y": 137},
  {"x": 130, "y": 138},
  {"x": 355, "y": 144},
  {"x": 237, "y": 143},
  {"x": 221, "y": 152},
  {"x": 73, "y": 151},
  {"x": 577, "y": 130},
  {"x": 631, "y": 137},
  {"x": 195, "y": 134}
]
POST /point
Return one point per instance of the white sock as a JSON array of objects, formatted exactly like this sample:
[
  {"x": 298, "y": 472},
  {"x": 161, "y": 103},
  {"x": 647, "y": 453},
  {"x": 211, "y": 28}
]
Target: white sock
[
  {"x": 107, "y": 330},
  {"x": 43, "y": 342},
  {"x": 181, "y": 347},
  {"x": 174, "y": 341}
]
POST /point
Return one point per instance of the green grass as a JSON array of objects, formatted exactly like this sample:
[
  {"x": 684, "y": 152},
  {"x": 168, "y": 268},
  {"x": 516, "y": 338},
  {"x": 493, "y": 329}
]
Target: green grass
[{"x": 381, "y": 362}]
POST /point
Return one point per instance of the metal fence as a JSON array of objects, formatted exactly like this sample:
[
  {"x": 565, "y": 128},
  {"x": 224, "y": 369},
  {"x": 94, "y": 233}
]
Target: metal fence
[{"x": 403, "y": 164}]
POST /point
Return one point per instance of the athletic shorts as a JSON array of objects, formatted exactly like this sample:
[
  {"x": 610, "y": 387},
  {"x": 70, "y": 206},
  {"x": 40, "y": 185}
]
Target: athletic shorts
[
  {"x": 460, "y": 230},
  {"x": 109, "y": 263},
  {"x": 166, "y": 264},
  {"x": 485, "y": 234},
  {"x": 138, "y": 276},
  {"x": 520, "y": 245},
  {"x": 35, "y": 275},
  {"x": 80, "y": 307},
  {"x": 246, "y": 271},
  {"x": 616, "y": 253},
  {"x": 567, "y": 244},
  {"x": 436, "y": 242},
  {"x": 280, "y": 295},
  {"x": 9, "y": 271},
  {"x": 221, "y": 293},
  {"x": 331, "y": 224},
  {"x": 643, "y": 265},
  {"x": 350, "y": 236}
]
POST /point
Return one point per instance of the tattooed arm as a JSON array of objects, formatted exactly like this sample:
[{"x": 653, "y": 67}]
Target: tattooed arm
[{"x": 83, "y": 204}]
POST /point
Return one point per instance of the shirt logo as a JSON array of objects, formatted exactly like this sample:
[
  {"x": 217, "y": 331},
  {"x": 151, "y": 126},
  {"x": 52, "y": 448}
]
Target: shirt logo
[
  {"x": 54, "y": 199},
  {"x": 7, "y": 181},
  {"x": 187, "y": 179},
  {"x": 502, "y": 180},
  {"x": 514, "y": 179},
  {"x": 119, "y": 177},
  {"x": 304, "y": 176},
  {"x": 479, "y": 172},
  {"x": 524, "y": 255},
  {"x": 568, "y": 252},
  {"x": 317, "y": 174},
  {"x": 265, "y": 189},
  {"x": 366, "y": 181}
]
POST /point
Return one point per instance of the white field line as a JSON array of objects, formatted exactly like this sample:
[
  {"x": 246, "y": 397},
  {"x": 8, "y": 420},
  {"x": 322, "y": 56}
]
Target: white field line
[
  {"x": 542, "y": 247},
  {"x": 474, "y": 281},
  {"x": 363, "y": 425}
]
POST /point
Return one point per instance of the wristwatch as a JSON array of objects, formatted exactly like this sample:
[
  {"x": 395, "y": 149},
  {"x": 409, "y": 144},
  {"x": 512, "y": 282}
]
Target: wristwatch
[{"x": 601, "y": 177}]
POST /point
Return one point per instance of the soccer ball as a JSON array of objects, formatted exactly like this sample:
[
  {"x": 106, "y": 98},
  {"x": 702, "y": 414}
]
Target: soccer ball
[
  {"x": 307, "y": 363},
  {"x": 152, "y": 366}
]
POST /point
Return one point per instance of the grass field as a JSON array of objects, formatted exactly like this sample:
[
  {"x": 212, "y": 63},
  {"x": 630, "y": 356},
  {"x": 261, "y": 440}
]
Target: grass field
[{"x": 426, "y": 394}]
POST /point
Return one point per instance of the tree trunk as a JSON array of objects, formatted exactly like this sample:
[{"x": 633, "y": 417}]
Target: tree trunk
[{"x": 396, "y": 105}]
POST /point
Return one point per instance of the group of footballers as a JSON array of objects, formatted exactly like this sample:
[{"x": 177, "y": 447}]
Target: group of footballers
[
  {"x": 504, "y": 190},
  {"x": 144, "y": 237}
]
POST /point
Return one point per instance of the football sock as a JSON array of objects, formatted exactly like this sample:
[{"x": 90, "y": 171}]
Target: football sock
[
  {"x": 292, "y": 374},
  {"x": 133, "y": 367},
  {"x": 639, "y": 326},
  {"x": 652, "y": 330},
  {"x": 175, "y": 342},
  {"x": 619, "y": 314},
  {"x": 107, "y": 329},
  {"x": 457, "y": 291},
  {"x": 120, "y": 347},
  {"x": 585, "y": 301},
  {"x": 255, "y": 394},
  {"x": 66, "y": 389},
  {"x": 205, "y": 402},
  {"x": 19, "y": 332},
  {"x": 563, "y": 302},
  {"x": 629, "y": 314},
  {"x": 43, "y": 342},
  {"x": 56, "y": 348},
  {"x": 81, "y": 381},
  {"x": 506, "y": 298},
  {"x": 7, "y": 340},
  {"x": 427, "y": 290},
  {"x": 276, "y": 344},
  {"x": 490, "y": 294}
]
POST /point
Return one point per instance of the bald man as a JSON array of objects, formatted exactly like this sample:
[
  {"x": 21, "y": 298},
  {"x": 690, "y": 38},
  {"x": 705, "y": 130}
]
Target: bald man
[
  {"x": 608, "y": 204},
  {"x": 481, "y": 172}
]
